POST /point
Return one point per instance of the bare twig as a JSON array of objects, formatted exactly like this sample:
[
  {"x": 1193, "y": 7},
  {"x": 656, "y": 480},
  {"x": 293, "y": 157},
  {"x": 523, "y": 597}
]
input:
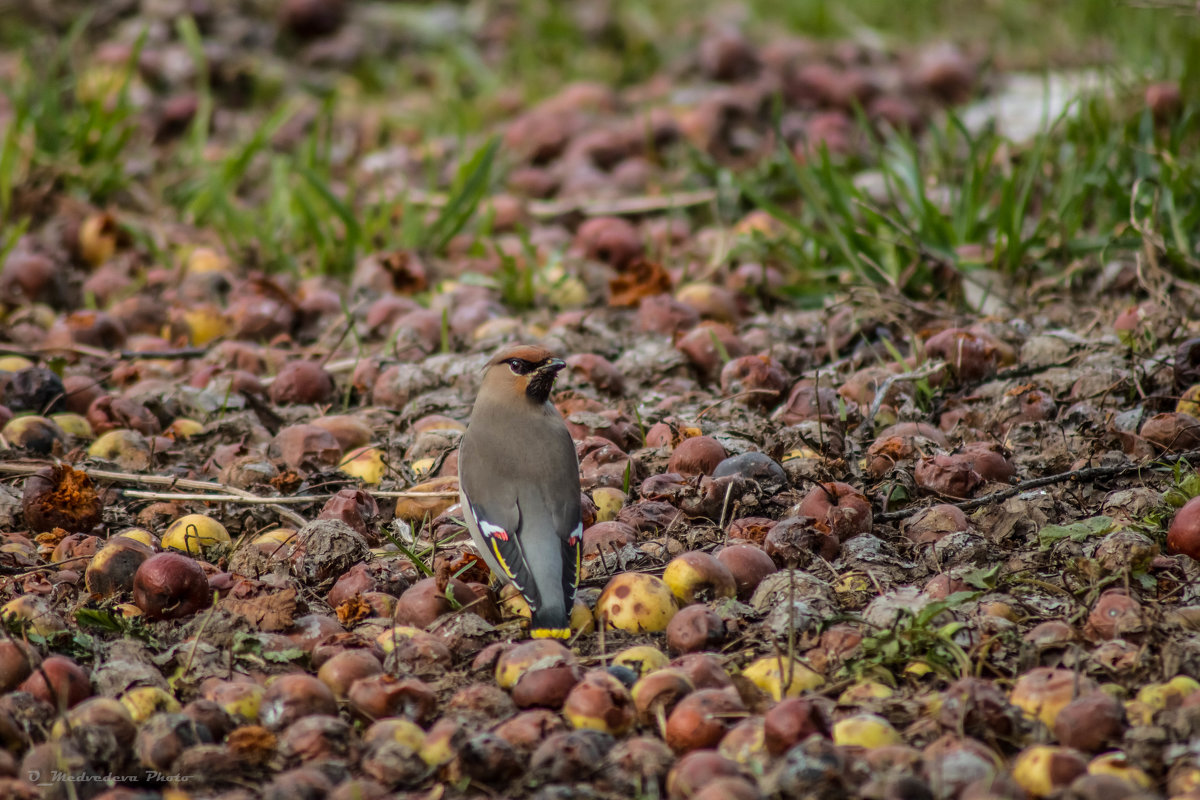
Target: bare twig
[
  {"x": 294, "y": 500},
  {"x": 164, "y": 480},
  {"x": 199, "y": 633},
  {"x": 914, "y": 238},
  {"x": 209, "y": 492},
  {"x": 738, "y": 396},
  {"x": 228, "y": 498},
  {"x": 37, "y": 352},
  {"x": 333, "y": 367},
  {"x": 26, "y": 468},
  {"x": 40, "y": 351},
  {"x": 20, "y": 572},
  {"x": 550, "y": 209},
  {"x": 626, "y": 205},
  {"x": 868, "y": 424},
  {"x": 34, "y": 352},
  {"x": 725, "y": 506},
  {"x": 1082, "y": 475}
]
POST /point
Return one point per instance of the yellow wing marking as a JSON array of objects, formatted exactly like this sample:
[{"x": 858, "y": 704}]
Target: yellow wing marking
[{"x": 504, "y": 564}]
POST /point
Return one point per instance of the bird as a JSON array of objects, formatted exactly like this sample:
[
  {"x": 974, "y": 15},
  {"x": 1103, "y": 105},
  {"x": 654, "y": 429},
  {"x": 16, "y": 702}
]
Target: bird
[{"x": 519, "y": 486}]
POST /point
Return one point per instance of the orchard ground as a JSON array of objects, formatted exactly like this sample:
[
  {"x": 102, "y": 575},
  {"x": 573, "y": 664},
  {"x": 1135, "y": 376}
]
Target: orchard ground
[{"x": 883, "y": 378}]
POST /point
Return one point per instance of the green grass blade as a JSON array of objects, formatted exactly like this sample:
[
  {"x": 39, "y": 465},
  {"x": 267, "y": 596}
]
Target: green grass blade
[
  {"x": 472, "y": 183},
  {"x": 198, "y": 131}
]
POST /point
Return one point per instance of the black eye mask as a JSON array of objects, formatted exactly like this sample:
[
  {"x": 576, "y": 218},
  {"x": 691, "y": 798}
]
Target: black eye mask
[{"x": 521, "y": 366}]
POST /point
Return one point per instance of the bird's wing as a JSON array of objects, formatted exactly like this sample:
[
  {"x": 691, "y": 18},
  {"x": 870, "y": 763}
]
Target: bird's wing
[
  {"x": 492, "y": 506},
  {"x": 498, "y": 524},
  {"x": 572, "y": 561},
  {"x": 506, "y": 512}
]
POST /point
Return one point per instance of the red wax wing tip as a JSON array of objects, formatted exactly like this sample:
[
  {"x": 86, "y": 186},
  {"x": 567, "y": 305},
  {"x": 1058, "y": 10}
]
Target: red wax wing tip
[{"x": 494, "y": 531}]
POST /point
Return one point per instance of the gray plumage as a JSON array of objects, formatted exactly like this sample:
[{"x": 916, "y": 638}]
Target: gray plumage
[{"x": 519, "y": 481}]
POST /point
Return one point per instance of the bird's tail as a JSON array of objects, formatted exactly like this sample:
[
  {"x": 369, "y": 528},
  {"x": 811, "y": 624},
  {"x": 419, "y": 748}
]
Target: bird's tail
[{"x": 551, "y": 622}]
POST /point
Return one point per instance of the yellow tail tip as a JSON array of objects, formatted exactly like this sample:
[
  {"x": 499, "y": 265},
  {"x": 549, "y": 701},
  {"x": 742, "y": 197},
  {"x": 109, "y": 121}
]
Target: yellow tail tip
[{"x": 550, "y": 633}]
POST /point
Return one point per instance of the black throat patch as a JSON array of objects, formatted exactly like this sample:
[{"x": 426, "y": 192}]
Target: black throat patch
[{"x": 540, "y": 385}]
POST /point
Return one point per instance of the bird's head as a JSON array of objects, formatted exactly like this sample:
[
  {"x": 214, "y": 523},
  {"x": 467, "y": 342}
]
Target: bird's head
[{"x": 523, "y": 371}]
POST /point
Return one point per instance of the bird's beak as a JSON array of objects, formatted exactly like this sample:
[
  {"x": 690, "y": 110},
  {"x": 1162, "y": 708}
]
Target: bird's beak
[{"x": 552, "y": 366}]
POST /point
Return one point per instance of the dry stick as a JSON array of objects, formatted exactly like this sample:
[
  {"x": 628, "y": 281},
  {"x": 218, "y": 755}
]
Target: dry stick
[
  {"x": 725, "y": 506},
  {"x": 868, "y": 424},
  {"x": 161, "y": 480},
  {"x": 737, "y": 396},
  {"x": 231, "y": 494},
  {"x": 1083, "y": 474},
  {"x": 37, "y": 352},
  {"x": 915, "y": 240},
  {"x": 627, "y": 205},
  {"x": 332, "y": 367},
  {"x": 548, "y": 209},
  {"x": 269, "y": 501},
  {"x": 602, "y": 629},
  {"x": 199, "y": 633},
  {"x": 18, "y": 572},
  {"x": 791, "y": 654},
  {"x": 228, "y": 498}
]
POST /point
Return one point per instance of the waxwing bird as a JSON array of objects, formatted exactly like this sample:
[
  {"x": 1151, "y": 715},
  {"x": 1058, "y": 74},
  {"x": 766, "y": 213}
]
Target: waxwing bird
[{"x": 519, "y": 486}]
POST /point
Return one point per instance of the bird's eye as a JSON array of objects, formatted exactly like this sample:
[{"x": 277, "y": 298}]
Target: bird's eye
[{"x": 519, "y": 366}]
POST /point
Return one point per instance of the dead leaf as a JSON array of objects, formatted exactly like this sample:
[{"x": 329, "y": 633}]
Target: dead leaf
[
  {"x": 353, "y": 611},
  {"x": 642, "y": 278},
  {"x": 470, "y": 568},
  {"x": 273, "y": 610},
  {"x": 251, "y": 744},
  {"x": 442, "y": 573}
]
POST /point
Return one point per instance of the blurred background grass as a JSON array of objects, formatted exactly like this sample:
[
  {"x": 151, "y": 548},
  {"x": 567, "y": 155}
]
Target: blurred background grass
[
  {"x": 1154, "y": 39},
  {"x": 453, "y": 70}
]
